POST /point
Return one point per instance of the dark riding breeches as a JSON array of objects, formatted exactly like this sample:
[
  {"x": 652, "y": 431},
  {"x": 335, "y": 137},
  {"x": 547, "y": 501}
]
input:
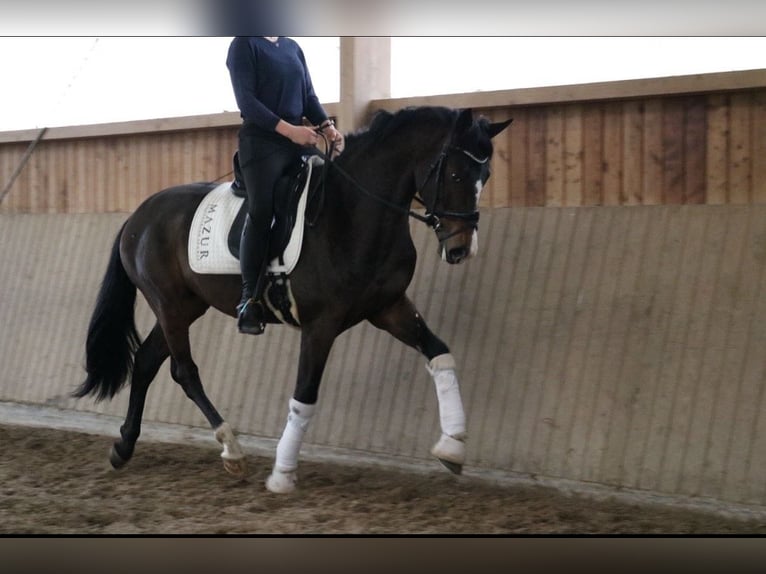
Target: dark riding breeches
[{"x": 263, "y": 160}]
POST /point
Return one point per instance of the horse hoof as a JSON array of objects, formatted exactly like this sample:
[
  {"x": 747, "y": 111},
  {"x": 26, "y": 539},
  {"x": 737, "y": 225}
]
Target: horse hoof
[
  {"x": 454, "y": 468},
  {"x": 450, "y": 451},
  {"x": 237, "y": 467},
  {"x": 116, "y": 460},
  {"x": 281, "y": 482}
]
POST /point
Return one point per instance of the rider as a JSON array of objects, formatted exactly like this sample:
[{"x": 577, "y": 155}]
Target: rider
[{"x": 274, "y": 93}]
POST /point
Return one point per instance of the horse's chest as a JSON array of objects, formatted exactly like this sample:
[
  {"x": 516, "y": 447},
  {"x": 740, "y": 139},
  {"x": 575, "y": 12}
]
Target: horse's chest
[
  {"x": 388, "y": 282},
  {"x": 354, "y": 277}
]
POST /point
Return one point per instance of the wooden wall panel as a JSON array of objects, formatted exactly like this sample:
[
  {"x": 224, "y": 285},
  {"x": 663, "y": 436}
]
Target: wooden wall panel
[
  {"x": 717, "y": 150},
  {"x": 592, "y": 192},
  {"x": 517, "y": 164},
  {"x": 758, "y": 122},
  {"x": 112, "y": 174},
  {"x": 672, "y": 154},
  {"x": 740, "y": 158},
  {"x": 632, "y": 156},
  {"x": 695, "y": 148},
  {"x": 536, "y": 158},
  {"x": 573, "y": 155},
  {"x": 695, "y": 166},
  {"x": 554, "y": 156},
  {"x": 613, "y": 158},
  {"x": 651, "y": 153}
]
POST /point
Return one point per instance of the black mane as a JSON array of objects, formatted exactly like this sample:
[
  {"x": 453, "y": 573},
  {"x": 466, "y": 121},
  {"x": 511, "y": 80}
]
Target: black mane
[
  {"x": 385, "y": 123},
  {"x": 428, "y": 122}
]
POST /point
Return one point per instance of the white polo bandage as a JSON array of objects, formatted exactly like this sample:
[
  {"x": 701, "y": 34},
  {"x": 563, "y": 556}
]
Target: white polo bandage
[
  {"x": 451, "y": 414},
  {"x": 298, "y": 419}
]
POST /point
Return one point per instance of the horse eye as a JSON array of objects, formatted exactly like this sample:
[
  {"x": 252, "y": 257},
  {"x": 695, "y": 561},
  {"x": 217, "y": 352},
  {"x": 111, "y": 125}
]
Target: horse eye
[{"x": 456, "y": 178}]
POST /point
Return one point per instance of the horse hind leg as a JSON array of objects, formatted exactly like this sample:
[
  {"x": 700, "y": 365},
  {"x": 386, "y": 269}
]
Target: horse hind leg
[
  {"x": 148, "y": 359},
  {"x": 232, "y": 456},
  {"x": 185, "y": 372}
]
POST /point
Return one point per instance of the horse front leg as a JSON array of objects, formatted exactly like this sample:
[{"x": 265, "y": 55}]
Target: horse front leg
[
  {"x": 405, "y": 323},
  {"x": 316, "y": 342}
]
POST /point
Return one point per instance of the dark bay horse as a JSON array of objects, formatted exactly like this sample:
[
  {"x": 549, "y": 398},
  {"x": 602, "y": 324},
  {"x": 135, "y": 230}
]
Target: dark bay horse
[{"x": 356, "y": 263}]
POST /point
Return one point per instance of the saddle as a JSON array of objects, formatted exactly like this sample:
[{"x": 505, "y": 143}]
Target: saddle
[{"x": 287, "y": 195}]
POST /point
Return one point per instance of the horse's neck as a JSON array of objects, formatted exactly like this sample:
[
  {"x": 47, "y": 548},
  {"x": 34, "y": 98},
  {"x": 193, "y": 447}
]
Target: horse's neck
[
  {"x": 378, "y": 191},
  {"x": 391, "y": 175},
  {"x": 369, "y": 209},
  {"x": 377, "y": 201}
]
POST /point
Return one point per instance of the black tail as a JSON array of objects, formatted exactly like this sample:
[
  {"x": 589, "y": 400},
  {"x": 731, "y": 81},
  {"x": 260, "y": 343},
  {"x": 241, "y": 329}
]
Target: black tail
[{"x": 112, "y": 336}]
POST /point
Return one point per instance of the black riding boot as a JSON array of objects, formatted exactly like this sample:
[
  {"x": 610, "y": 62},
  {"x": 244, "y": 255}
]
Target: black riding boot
[{"x": 253, "y": 257}]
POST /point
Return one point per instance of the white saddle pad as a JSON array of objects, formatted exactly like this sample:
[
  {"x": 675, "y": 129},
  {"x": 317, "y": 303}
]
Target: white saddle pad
[{"x": 208, "y": 236}]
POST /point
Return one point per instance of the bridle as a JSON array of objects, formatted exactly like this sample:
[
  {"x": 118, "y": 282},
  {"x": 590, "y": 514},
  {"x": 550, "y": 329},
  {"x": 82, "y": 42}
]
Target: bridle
[{"x": 433, "y": 216}]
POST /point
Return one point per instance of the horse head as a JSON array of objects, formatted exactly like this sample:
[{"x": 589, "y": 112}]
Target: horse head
[{"x": 462, "y": 170}]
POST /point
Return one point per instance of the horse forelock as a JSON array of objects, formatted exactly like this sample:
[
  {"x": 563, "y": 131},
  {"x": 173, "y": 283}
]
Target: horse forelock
[{"x": 476, "y": 140}]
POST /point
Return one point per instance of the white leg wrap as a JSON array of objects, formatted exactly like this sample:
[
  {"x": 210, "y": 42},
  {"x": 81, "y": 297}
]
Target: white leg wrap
[
  {"x": 297, "y": 423},
  {"x": 451, "y": 414},
  {"x": 282, "y": 479}
]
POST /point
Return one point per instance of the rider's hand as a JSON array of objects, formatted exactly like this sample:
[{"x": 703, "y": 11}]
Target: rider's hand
[
  {"x": 335, "y": 137},
  {"x": 300, "y": 135}
]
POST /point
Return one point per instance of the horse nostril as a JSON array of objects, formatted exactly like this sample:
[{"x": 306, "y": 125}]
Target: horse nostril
[{"x": 457, "y": 254}]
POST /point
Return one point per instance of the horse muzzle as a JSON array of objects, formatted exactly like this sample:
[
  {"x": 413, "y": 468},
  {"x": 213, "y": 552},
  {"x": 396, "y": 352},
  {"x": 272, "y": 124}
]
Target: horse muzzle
[
  {"x": 456, "y": 255},
  {"x": 455, "y": 247}
]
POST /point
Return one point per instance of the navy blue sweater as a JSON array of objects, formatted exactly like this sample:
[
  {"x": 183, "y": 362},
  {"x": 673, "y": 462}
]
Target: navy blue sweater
[{"x": 272, "y": 82}]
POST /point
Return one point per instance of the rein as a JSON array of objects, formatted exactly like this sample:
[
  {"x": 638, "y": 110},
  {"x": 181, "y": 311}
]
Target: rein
[{"x": 432, "y": 217}]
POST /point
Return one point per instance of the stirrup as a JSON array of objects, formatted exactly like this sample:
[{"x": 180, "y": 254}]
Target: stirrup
[{"x": 250, "y": 317}]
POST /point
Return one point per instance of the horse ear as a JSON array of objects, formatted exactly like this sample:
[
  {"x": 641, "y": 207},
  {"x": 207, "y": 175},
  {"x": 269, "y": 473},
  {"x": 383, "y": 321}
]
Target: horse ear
[
  {"x": 496, "y": 128},
  {"x": 464, "y": 121}
]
